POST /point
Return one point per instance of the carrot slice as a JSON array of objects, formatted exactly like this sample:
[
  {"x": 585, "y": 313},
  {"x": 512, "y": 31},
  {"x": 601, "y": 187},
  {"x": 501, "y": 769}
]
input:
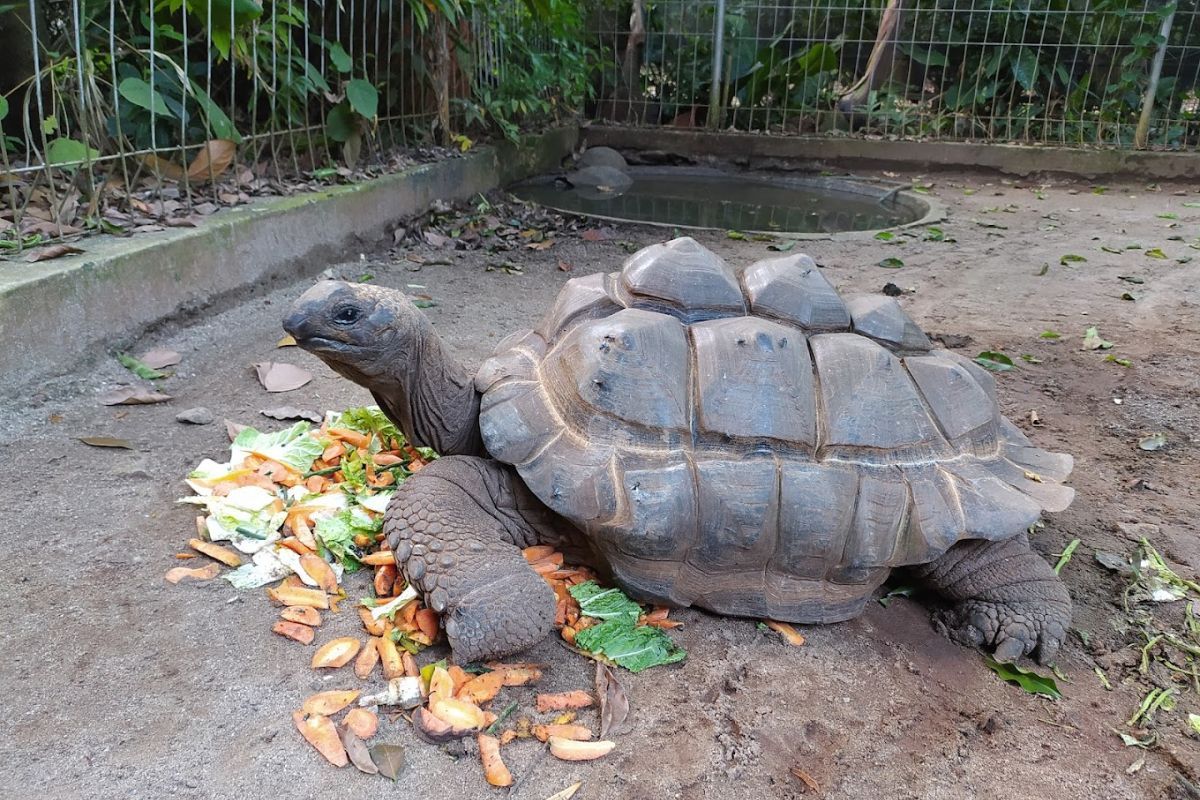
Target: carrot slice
[
  {"x": 322, "y": 735},
  {"x": 329, "y": 703},
  {"x": 362, "y": 721},
  {"x": 493, "y": 766},
  {"x": 298, "y": 596},
  {"x": 564, "y": 700},
  {"x": 380, "y": 558},
  {"x": 389, "y": 655},
  {"x": 576, "y": 733},
  {"x": 336, "y": 653},
  {"x": 216, "y": 551},
  {"x": 427, "y": 621},
  {"x": 482, "y": 688},
  {"x": 295, "y": 631},
  {"x": 537, "y": 552},
  {"x": 353, "y": 438},
  {"x": 368, "y": 657},
  {"x": 569, "y": 750},
  {"x": 790, "y": 634},
  {"x": 373, "y": 626},
  {"x": 319, "y": 570},
  {"x": 385, "y": 576},
  {"x": 205, "y": 573},
  {"x": 305, "y": 615}
]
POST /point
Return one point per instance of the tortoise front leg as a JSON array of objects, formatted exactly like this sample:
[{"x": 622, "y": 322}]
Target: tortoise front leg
[
  {"x": 1006, "y": 598},
  {"x": 457, "y": 528}
]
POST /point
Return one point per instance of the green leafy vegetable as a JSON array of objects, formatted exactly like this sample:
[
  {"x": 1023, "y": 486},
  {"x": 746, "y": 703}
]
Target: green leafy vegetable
[
  {"x": 292, "y": 446},
  {"x": 1071, "y": 258},
  {"x": 596, "y": 601},
  {"x": 1029, "y": 359},
  {"x": 1093, "y": 341},
  {"x": 885, "y": 236},
  {"x": 891, "y": 262},
  {"x": 1050, "y": 335},
  {"x": 619, "y": 638},
  {"x": 370, "y": 419},
  {"x": 634, "y": 647},
  {"x": 143, "y": 371},
  {"x": 1123, "y": 362},
  {"x": 735, "y": 235},
  {"x": 1030, "y": 681},
  {"x": 336, "y": 534},
  {"x": 1156, "y": 252},
  {"x": 996, "y": 362},
  {"x": 1065, "y": 556}
]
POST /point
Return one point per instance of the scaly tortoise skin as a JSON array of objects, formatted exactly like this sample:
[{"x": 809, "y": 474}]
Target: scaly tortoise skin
[{"x": 743, "y": 441}]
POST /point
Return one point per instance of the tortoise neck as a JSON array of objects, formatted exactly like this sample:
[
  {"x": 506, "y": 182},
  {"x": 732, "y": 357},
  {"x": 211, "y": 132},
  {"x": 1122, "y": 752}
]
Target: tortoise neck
[{"x": 433, "y": 399}]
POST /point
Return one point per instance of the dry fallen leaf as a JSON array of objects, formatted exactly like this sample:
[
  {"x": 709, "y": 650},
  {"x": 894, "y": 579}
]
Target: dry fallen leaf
[
  {"x": 806, "y": 779},
  {"x": 159, "y": 358},
  {"x": 132, "y": 396},
  {"x": 205, "y": 573},
  {"x": 389, "y": 758},
  {"x": 614, "y": 703},
  {"x": 53, "y": 251},
  {"x": 360, "y": 756},
  {"x": 291, "y": 412},
  {"x": 106, "y": 441},
  {"x": 567, "y": 793},
  {"x": 277, "y": 377},
  {"x": 212, "y": 160}
]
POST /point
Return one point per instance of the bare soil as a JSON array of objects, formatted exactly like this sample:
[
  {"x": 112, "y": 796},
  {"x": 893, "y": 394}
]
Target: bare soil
[{"x": 118, "y": 685}]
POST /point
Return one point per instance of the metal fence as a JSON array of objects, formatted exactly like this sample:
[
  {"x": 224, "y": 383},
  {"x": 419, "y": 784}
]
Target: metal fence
[
  {"x": 1108, "y": 73},
  {"x": 128, "y": 115}
]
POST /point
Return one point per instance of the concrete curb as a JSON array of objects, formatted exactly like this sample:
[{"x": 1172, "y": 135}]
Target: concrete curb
[
  {"x": 53, "y": 314},
  {"x": 819, "y": 152}
]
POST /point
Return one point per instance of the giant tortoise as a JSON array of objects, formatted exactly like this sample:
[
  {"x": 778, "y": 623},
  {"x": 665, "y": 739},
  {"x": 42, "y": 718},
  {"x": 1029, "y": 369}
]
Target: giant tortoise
[{"x": 745, "y": 441}]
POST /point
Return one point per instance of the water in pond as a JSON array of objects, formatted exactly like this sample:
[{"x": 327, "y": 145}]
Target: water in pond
[{"x": 729, "y": 202}]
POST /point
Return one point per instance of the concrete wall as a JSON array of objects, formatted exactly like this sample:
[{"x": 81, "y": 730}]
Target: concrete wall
[{"x": 54, "y": 314}]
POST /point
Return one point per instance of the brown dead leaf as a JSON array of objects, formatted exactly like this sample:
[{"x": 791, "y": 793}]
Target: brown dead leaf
[
  {"x": 213, "y": 159},
  {"x": 565, "y": 266},
  {"x": 234, "y": 428},
  {"x": 359, "y": 755},
  {"x": 389, "y": 758},
  {"x": 614, "y": 703},
  {"x": 278, "y": 377},
  {"x": 161, "y": 166},
  {"x": 132, "y": 396},
  {"x": 205, "y": 573},
  {"x": 546, "y": 244},
  {"x": 159, "y": 357},
  {"x": 106, "y": 441},
  {"x": 806, "y": 779},
  {"x": 596, "y": 235},
  {"x": 53, "y": 251}
]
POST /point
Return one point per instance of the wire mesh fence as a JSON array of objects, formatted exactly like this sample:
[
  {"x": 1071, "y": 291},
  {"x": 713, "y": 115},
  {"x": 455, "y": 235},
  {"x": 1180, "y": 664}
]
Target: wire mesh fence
[
  {"x": 128, "y": 115},
  {"x": 1107, "y": 73}
]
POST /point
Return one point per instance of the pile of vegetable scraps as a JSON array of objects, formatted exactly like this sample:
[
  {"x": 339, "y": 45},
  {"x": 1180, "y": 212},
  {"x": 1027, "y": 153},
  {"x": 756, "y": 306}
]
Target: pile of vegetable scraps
[{"x": 301, "y": 511}]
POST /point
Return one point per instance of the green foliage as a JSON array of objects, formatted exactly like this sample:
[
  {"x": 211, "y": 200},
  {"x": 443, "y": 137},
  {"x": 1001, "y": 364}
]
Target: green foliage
[{"x": 547, "y": 61}]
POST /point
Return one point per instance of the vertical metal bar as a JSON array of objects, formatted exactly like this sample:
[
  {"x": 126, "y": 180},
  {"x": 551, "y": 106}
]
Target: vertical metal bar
[
  {"x": 1143, "y": 126},
  {"x": 715, "y": 112}
]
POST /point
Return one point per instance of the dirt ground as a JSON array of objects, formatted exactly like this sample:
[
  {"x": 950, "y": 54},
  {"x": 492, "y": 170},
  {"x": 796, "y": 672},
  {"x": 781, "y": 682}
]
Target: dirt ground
[{"x": 119, "y": 685}]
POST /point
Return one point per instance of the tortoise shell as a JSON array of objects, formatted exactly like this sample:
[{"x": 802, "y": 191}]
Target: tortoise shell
[{"x": 752, "y": 443}]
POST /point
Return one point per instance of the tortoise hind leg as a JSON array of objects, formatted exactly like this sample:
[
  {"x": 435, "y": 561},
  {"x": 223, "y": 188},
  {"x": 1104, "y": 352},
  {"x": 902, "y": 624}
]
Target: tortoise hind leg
[
  {"x": 1006, "y": 598},
  {"x": 457, "y": 528}
]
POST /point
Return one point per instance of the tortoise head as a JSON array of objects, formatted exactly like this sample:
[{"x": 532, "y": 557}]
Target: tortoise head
[{"x": 368, "y": 334}]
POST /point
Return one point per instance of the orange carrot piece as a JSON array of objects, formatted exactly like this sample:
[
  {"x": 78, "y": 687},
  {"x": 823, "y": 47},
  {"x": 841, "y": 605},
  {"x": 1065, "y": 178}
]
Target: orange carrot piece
[
  {"x": 493, "y": 766},
  {"x": 367, "y": 658},
  {"x": 353, "y": 438},
  {"x": 427, "y": 621},
  {"x": 329, "y": 703},
  {"x": 216, "y": 551},
  {"x": 294, "y": 631},
  {"x": 481, "y": 688},
  {"x": 385, "y": 576},
  {"x": 336, "y": 653},
  {"x": 305, "y": 615},
  {"x": 537, "y": 552},
  {"x": 576, "y": 733},
  {"x": 320, "y": 732},
  {"x": 205, "y": 573},
  {"x": 380, "y": 558},
  {"x": 789, "y": 634},
  {"x": 362, "y": 722},
  {"x": 389, "y": 655},
  {"x": 564, "y": 700}
]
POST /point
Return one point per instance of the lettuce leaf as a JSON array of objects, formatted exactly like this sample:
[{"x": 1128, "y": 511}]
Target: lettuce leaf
[
  {"x": 292, "y": 446},
  {"x": 618, "y": 637},
  {"x": 596, "y": 601},
  {"x": 336, "y": 534},
  {"x": 634, "y": 647}
]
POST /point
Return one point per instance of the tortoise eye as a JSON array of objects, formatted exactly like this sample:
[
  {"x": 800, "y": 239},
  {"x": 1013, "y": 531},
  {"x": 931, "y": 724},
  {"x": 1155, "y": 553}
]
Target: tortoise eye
[{"x": 347, "y": 315}]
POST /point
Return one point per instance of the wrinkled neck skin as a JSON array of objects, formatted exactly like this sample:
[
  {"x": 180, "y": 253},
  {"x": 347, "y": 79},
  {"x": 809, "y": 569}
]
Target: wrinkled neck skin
[{"x": 431, "y": 397}]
